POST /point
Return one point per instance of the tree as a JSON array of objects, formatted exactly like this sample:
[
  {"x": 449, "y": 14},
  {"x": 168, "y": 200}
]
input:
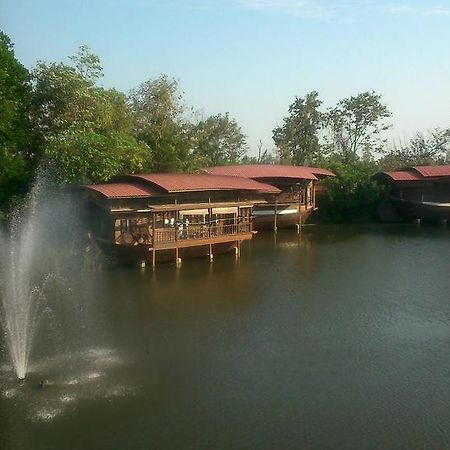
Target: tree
[
  {"x": 297, "y": 139},
  {"x": 64, "y": 95},
  {"x": 14, "y": 124},
  {"x": 355, "y": 125},
  {"x": 14, "y": 98},
  {"x": 352, "y": 195},
  {"x": 219, "y": 140},
  {"x": 85, "y": 131},
  {"x": 88, "y": 156},
  {"x": 421, "y": 150},
  {"x": 87, "y": 65},
  {"x": 161, "y": 123}
]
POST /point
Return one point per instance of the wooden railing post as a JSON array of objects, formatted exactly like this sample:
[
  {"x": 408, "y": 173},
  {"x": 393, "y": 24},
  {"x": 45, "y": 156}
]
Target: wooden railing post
[
  {"x": 275, "y": 217},
  {"x": 153, "y": 229},
  {"x": 153, "y": 241}
]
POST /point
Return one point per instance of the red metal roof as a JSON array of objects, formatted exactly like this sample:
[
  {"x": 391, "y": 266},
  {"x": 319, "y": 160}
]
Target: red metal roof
[
  {"x": 418, "y": 173},
  {"x": 122, "y": 190},
  {"x": 403, "y": 175},
  {"x": 181, "y": 182},
  {"x": 433, "y": 171},
  {"x": 264, "y": 171},
  {"x": 322, "y": 172}
]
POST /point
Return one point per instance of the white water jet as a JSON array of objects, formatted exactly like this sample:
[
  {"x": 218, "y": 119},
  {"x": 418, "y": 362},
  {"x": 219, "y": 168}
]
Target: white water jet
[
  {"x": 41, "y": 256},
  {"x": 23, "y": 292}
]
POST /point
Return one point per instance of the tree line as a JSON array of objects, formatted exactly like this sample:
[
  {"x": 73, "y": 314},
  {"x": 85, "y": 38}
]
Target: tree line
[
  {"x": 349, "y": 139},
  {"x": 59, "y": 116}
]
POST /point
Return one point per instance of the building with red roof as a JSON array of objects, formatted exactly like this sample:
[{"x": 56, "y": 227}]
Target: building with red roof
[
  {"x": 149, "y": 217},
  {"x": 297, "y": 197},
  {"x": 420, "y": 192}
]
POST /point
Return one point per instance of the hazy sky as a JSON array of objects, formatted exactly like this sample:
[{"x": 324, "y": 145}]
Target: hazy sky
[{"x": 252, "y": 57}]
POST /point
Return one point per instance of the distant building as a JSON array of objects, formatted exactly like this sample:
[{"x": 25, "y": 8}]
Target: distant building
[
  {"x": 421, "y": 192},
  {"x": 297, "y": 197}
]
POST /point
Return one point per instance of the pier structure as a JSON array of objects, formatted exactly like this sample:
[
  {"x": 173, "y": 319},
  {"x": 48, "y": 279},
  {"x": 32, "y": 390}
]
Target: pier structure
[
  {"x": 420, "y": 193},
  {"x": 296, "y": 199},
  {"x": 148, "y": 218}
]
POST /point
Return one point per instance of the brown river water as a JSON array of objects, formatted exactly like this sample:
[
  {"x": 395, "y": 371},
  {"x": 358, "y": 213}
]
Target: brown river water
[{"x": 335, "y": 339}]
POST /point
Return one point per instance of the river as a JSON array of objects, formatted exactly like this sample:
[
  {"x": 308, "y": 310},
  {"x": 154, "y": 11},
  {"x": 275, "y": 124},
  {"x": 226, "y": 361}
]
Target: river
[{"x": 335, "y": 339}]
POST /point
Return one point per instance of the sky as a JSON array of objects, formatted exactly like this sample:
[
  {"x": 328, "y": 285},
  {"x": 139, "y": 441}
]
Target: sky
[{"x": 251, "y": 58}]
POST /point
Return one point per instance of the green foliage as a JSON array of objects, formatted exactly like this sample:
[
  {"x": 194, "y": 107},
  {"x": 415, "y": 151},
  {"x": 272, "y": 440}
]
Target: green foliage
[
  {"x": 420, "y": 151},
  {"x": 14, "y": 180},
  {"x": 64, "y": 96},
  {"x": 164, "y": 124},
  {"x": 160, "y": 123},
  {"x": 219, "y": 140},
  {"x": 89, "y": 157},
  {"x": 297, "y": 139},
  {"x": 59, "y": 115},
  {"x": 14, "y": 125},
  {"x": 344, "y": 139},
  {"x": 351, "y": 196},
  {"x": 14, "y": 99},
  {"x": 355, "y": 124},
  {"x": 87, "y": 65},
  {"x": 86, "y": 131}
]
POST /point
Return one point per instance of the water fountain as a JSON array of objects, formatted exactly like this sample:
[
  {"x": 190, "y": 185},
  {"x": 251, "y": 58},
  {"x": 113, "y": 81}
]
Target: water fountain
[
  {"x": 22, "y": 294},
  {"x": 30, "y": 266}
]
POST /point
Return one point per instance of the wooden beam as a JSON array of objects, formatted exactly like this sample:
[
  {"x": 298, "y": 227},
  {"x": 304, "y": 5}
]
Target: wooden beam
[
  {"x": 275, "y": 216},
  {"x": 299, "y": 205},
  {"x": 153, "y": 229}
]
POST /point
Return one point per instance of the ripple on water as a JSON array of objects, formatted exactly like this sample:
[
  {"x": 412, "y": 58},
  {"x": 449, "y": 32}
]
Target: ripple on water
[
  {"x": 67, "y": 398},
  {"x": 9, "y": 393},
  {"x": 119, "y": 391},
  {"x": 93, "y": 375},
  {"x": 68, "y": 384},
  {"x": 46, "y": 414}
]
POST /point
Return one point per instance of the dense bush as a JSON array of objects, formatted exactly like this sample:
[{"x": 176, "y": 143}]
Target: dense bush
[{"x": 351, "y": 196}]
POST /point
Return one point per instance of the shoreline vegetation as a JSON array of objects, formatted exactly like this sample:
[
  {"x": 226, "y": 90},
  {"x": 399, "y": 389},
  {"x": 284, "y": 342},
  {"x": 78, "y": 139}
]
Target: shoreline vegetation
[{"x": 58, "y": 118}]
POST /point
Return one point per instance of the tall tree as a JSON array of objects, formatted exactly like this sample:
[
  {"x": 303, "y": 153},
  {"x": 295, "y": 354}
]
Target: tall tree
[
  {"x": 219, "y": 140},
  {"x": 14, "y": 98},
  {"x": 64, "y": 95},
  {"x": 87, "y": 65},
  {"x": 14, "y": 124},
  {"x": 355, "y": 125},
  {"x": 161, "y": 123},
  {"x": 86, "y": 131},
  {"x": 297, "y": 139}
]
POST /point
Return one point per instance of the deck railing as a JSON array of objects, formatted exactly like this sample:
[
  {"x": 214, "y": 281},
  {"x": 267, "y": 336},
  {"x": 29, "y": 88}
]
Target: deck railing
[
  {"x": 143, "y": 235},
  {"x": 193, "y": 232}
]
